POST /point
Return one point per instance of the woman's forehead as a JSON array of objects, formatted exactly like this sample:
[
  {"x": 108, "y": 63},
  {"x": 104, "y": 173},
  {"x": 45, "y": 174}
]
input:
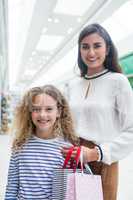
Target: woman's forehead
[{"x": 93, "y": 37}]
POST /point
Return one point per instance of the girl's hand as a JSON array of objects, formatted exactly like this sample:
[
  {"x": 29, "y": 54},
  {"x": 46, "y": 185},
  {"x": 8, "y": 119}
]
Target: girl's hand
[{"x": 65, "y": 151}]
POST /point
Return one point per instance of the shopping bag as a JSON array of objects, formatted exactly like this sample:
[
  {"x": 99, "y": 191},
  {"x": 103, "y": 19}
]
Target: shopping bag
[
  {"x": 59, "y": 184},
  {"x": 88, "y": 187},
  {"x": 70, "y": 188},
  {"x": 81, "y": 186},
  {"x": 76, "y": 184}
]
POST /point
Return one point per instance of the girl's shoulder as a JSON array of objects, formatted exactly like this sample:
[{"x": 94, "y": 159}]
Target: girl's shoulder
[
  {"x": 63, "y": 142},
  {"x": 16, "y": 151}
]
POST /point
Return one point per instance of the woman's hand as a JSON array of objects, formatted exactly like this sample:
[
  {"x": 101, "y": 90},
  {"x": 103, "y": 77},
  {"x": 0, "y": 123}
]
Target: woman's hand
[{"x": 89, "y": 155}]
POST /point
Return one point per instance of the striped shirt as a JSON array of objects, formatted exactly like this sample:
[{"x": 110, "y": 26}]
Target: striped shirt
[{"x": 31, "y": 169}]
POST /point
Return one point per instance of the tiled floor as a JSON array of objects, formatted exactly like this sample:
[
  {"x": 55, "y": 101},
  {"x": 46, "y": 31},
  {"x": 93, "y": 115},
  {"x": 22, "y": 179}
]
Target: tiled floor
[{"x": 126, "y": 171}]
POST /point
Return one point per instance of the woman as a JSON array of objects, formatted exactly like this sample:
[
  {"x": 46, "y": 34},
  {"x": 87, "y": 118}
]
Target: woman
[{"x": 102, "y": 104}]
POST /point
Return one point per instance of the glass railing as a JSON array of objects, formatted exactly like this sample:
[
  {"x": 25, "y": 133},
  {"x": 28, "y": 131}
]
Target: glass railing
[{"x": 126, "y": 63}]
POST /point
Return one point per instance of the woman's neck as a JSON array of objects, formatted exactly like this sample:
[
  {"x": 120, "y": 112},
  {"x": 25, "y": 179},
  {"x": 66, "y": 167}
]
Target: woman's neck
[
  {"x": 93, "y": 71},
  {"x": 96, "y": 75}
]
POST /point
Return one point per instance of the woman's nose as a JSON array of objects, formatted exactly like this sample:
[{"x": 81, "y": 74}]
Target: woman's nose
[{"x": 91, "y": 51}]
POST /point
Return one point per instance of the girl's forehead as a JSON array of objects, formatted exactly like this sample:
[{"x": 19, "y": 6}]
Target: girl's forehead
[{"x": 44, "y": 99}]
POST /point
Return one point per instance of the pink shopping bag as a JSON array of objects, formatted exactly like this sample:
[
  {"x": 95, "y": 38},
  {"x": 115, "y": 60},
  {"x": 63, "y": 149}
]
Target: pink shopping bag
[
  {"x": 81, "y": 186},
  {"x": 59, "y": 183},
  {"x": 70, "y": 190},
  {"x": 88, "y": 187}
]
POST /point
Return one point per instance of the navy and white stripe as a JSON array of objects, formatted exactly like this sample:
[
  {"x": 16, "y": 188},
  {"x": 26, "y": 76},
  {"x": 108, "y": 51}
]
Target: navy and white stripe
[{"x": 31, "y": 169}]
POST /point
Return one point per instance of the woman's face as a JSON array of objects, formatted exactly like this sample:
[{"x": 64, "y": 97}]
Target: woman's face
[
  {"x": 44, "y": 115},
  {"x": 93, "y": 51}
]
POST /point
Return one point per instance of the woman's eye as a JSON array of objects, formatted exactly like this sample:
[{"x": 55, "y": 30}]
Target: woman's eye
[
  {"x": 85, "y": 46},
  {"x": 97, "y": 46}
]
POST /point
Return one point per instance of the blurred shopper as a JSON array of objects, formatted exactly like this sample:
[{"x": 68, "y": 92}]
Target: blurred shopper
[
  {"x": 102, "y": 104},
  {"x": 43, "y": 127}
]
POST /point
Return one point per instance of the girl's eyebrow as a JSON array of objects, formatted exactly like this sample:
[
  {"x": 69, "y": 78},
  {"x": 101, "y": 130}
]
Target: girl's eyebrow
[{"x": 39, "y": 106}]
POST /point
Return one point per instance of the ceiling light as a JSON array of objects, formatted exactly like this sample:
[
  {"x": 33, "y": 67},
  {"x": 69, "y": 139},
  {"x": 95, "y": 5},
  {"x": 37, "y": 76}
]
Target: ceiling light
[
  {"x": 70, "y": 30},
  {"x": 30, "y": 58},
  {"x": 49, "y": 19},
  {"x": 79, "y": 19},
  {"x": 56, "y": 20},
  {"x": 34, "y": 53},
  {"x": 44, "y": 30}
]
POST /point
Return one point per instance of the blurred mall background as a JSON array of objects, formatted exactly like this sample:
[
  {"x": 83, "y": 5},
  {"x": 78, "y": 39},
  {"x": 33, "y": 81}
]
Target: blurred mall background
[{"x": 38, "y": 45}]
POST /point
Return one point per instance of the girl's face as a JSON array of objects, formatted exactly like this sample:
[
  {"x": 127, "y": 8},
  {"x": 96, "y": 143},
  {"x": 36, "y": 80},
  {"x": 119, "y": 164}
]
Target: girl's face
[
  {"x": 93, "y": 52},
  {"x": 44, "y": 114}
]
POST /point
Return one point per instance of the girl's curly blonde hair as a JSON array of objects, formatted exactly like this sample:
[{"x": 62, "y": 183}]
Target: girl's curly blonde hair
[{"x": 24, "y": 127}]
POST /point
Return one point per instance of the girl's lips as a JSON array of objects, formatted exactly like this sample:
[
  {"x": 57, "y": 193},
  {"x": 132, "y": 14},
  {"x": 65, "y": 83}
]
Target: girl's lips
[{"x": 43, "y": 122}]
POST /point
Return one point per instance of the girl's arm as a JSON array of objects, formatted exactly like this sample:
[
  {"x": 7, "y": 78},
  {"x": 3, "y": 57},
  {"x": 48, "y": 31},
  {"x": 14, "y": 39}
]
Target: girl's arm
[{"x": 13, "y": 179}]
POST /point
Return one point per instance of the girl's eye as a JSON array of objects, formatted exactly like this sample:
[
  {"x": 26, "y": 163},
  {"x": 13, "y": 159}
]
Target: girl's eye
[
  {"x": 39, "y": 109},
  {"x": 36, "y": 110},
  {"x": 49, "y": 109}
]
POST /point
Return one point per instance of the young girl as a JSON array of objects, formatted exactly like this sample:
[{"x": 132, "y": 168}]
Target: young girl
[{"x": 43, "y": 127}]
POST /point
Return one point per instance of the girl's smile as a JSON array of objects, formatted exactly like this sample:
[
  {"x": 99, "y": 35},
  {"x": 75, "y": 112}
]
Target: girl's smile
[{"x": 44, "y": 115}]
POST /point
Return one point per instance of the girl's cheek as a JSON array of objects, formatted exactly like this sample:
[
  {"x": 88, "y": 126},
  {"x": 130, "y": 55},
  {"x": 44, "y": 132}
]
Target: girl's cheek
[{"x": 33, "y": 115}]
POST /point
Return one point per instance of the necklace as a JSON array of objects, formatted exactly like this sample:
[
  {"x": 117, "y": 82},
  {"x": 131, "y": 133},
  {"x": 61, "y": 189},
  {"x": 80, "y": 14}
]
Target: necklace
[
  {"x": 87, "y": 90},
  {"x": 96, "y": 75},
  {"x": 93, "y": 77}
]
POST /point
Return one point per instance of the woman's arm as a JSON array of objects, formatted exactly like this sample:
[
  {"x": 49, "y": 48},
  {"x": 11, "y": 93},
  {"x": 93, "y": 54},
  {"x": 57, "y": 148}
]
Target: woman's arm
[{"x": 122, "y": 145}]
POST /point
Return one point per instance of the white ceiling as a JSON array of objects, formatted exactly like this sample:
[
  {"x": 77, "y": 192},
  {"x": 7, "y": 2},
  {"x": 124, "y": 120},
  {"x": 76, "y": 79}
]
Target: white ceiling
[{"x": 43, "y": 36}]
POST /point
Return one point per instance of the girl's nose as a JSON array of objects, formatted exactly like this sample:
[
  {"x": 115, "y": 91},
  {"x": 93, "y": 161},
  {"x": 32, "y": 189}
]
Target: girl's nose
[{"x": 43, "y": 113}]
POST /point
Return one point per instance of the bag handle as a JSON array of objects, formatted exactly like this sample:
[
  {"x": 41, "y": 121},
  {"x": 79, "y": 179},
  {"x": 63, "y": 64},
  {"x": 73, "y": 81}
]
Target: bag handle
[
  {"x": 68, "y": 157},
  {"x": 86, "y": 165},
  {"x": 73, "y": 162}
]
